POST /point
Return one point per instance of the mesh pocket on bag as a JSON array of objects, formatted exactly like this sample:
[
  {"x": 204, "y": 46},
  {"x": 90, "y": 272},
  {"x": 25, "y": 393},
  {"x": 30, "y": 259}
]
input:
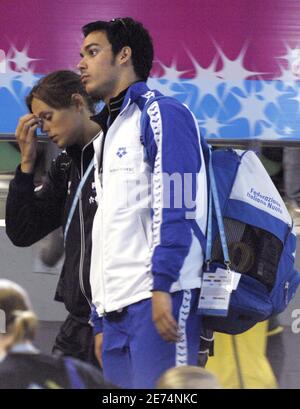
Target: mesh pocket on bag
[{"x": 252, "y": 251}]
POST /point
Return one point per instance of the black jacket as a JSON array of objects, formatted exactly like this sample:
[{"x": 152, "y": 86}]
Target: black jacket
[
  {"x": 31, "y": 215},
  {"x": 41, "y": 371}
]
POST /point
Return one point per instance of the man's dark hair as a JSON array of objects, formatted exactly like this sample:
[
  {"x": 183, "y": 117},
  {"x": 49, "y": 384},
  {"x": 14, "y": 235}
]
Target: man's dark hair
[
  {"x": 56, "y": 90},
  {"x": 123, "y": 32}
]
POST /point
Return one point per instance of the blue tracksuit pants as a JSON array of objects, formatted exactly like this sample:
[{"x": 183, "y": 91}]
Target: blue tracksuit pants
[{"x": 135, "y": 355}]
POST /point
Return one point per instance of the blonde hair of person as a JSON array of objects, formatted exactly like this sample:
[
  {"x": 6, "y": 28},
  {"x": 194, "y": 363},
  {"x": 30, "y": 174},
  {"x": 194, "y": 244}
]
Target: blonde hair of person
[
  {"x": 21, "y": 322},
  {"x": 187, "y": 377}
]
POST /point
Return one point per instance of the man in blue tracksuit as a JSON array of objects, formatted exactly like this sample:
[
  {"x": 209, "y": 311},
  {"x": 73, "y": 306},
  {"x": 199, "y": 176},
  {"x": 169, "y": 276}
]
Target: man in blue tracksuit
[{"x": 151, "y": 186}]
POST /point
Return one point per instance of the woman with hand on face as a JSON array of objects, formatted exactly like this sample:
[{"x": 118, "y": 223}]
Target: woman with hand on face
[{"x": 60, "y": 106}]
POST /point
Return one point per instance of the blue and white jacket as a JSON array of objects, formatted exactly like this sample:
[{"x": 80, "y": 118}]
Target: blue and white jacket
[{"x": 147, "y": 244}]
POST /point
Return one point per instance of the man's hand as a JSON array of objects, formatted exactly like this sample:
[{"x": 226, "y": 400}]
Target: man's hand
[
  {"x": 98, "y": 348},
  {"x": 26, "y": 137},
  {"x": 162, "y": 316}
]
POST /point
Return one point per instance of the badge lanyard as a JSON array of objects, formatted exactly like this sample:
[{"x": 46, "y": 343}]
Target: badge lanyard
[
  {"x": 76, "y": 198},
  {"x": 216, "y": 285},
  {"x": 214, "y": 199}
]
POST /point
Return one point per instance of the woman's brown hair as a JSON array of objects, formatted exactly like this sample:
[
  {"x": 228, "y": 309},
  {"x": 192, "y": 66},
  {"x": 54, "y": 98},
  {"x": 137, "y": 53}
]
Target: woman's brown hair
[{"x": 56, "y": 90}]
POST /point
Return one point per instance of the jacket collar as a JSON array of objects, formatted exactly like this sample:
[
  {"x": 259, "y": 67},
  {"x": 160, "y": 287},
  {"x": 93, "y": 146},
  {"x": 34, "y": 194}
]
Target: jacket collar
[
  {"x": 76, "y": 152},
  {"x": 133, "y": 93}
]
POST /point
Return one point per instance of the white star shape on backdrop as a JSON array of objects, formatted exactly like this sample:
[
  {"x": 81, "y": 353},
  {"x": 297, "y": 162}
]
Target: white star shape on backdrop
[
  {"x": 205, "y": 79},
  {"x": 291, "y": 55},
  {"x": 20, "y": 58},
  {"x": 287, "y": 78},
  {"x": 171, "y": 73},
  {"x": 6, "y": 82},
  {"x": 212, "y": 126},
  {"x": 234, "y": 71},
  {"x": 270, "y": 92},
  {"x": 154, "y": 83},
  {"x": 29, "y": 79},
  {"x": 253, "y": 109}
]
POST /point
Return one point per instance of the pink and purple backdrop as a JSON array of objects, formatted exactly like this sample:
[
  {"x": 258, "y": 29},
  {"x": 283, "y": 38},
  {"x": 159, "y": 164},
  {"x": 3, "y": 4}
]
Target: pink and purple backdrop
[{"x": 236, "y": 63}]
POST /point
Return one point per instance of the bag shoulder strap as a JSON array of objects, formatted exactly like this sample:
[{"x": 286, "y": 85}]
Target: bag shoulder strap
[
  {"x": 214, "y": 201},
  {"x": 76, "y": 198}
]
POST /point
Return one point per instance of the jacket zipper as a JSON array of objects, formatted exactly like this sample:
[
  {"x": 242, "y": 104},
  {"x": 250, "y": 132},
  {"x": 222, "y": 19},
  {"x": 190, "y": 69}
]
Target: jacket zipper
[
  {"x": 102, "y": 271},
  {"x": 100, "y": 209},
  {"x": 101, "y": 172},
  {"x": 82, "y": 251}
]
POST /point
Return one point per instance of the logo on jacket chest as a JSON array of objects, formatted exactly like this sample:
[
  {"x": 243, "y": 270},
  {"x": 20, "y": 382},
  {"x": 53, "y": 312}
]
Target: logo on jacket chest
[
  {"x": 121, "y": 152},
  {"x": 126, "y": 159}
]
